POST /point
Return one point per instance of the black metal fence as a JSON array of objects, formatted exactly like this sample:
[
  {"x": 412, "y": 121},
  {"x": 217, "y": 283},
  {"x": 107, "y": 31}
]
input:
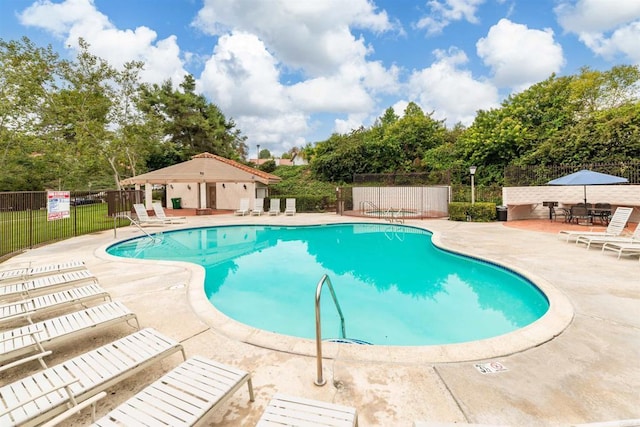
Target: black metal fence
[
  {"x": 25, "y": 223},
  {"x": 525, "y": 176}
]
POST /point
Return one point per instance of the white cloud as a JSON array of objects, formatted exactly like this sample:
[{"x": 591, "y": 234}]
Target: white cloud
[
  {"x": 312, "y": 36},
  {"x": 353, "y": 121},
  {"x": 596, "y": 16},
  {"x": 73, "y": 19},
  {"x": 261, "y": 45},
  {"x": 443, "y": 12},
  {"x": 607, "y": 28},
  {"x": 449, "y": 90},
  {"x": 519, "y": 56}
]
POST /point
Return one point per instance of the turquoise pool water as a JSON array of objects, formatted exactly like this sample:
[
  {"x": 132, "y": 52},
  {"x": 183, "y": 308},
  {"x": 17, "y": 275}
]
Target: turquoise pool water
[{"x": 393, "y": 285}]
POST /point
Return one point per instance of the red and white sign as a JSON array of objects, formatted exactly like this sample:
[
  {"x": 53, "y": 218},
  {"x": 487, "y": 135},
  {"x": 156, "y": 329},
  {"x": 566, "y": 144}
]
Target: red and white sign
[{"x": 58, "y": 205}]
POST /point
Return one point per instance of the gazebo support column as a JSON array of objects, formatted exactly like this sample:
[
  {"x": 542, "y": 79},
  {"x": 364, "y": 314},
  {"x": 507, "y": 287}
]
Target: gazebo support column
[
  {"x": 148, "y": 196},
  {"x": 202, "y": 187}
]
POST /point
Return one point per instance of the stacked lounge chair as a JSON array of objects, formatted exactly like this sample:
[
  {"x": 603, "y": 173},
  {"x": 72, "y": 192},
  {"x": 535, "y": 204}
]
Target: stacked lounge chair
[
  {"x": 23, "y": 273},
  {"x": 30, "y": 340},
  {"x": 45, "y": 284},
  {"x": 161, "y": 214},
  {"x": 62, "y": 388},
  {"x": 40, "y": 305}
]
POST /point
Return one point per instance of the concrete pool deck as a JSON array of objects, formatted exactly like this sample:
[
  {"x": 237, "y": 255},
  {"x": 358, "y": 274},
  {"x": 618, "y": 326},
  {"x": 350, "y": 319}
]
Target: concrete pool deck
[{"x": 589, "y": 372}]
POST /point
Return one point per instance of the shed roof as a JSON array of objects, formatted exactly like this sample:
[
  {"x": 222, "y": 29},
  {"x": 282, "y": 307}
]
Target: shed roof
[{"x": 204, "y": 167}]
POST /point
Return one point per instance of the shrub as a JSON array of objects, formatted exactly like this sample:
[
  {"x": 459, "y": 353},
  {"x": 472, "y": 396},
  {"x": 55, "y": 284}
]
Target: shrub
[{"x": 477, "y": 212}]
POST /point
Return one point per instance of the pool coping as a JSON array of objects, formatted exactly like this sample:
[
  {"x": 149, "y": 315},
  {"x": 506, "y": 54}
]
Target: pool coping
[{"x": 557, "y": 318}]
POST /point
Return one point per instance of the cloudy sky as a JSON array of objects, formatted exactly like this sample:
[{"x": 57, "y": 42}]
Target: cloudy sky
[{"x": 291, "y": 72}]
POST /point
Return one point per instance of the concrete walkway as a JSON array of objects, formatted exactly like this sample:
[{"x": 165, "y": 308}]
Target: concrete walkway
[{"x": 589, "y": 372}]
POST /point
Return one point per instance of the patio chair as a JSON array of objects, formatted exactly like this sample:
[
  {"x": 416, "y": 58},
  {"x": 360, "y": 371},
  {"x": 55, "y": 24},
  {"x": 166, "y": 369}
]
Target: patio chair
[
  {"x": 615, "y": 228},
  {"x": 184, "y": 396},
  {"x": 62, "y": 390},
  {"x": 44, "y": 284},
  {"x": 290, "y": 207},
  {"x": 600, "y": 240},
  {"x": 602, "y": 211},
  {"x": 258, "y": 207},
  {"x": 27, "y": 340},
  {"x": 579, "y": 213},
  {"x": 244, "y": 207},
  {"x": 161, "y": 214},
  {"x": 274, "y": 207},
  {"x": 143, "y": 217},
  {"x": 25, "y": 309},
  {"x": 296, "y": 411},
  {"x": 23, "y": 273},
  {"x": 563, "y": 212},
  {"x": 622, "y": 248}
]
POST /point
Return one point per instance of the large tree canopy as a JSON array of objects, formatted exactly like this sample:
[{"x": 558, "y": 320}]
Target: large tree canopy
[{"x": 81, "y": 124}]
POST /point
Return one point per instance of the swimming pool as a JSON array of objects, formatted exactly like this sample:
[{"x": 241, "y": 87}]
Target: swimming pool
[{"x": 393, "y": 285}]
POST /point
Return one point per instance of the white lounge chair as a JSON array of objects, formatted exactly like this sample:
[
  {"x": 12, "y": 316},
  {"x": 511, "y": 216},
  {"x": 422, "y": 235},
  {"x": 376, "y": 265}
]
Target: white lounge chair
[
  {"x": 143, "y": 217},
  {"x": 184, "y": 396},
  {"x": 63, "y": 388},
  {"x": 44, "y": 284},
  {"x": 622, "y": 248},
  {"x": 600, "y": 240},
  {"x": 22, "y": 273},
  {"x": 615, "y": 228},
  {"x": 258, "y": 207},
  {"x": 244, "y": 207},
  {"x": 285, "y": 410},
  {"x": 25, "y": 309},
  {"x": 274, "y": 207},
  {"x": 161, "y": 214},
  {"x": 29, "y": 339},
  {"x": 290, "y": 207}
]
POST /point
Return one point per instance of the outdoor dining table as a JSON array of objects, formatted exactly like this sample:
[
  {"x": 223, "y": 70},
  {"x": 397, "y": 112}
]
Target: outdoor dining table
[{"x": 602, "y": 213}]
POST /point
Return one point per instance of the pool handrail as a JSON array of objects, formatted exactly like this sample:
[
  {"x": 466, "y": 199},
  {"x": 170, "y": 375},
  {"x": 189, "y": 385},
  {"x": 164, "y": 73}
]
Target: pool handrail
[{"x": 320, "y": 381}]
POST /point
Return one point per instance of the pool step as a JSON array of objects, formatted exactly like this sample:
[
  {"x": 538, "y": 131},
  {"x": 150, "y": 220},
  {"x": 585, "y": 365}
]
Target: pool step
[{"x": 348, "y": 341}]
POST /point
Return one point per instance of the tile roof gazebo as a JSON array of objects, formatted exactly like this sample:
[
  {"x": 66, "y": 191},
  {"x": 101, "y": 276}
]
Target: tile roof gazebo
[{"x": 207, "y": 181}]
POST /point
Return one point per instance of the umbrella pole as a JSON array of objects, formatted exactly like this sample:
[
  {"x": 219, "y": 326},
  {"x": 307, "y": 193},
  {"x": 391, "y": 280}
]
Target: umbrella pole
[{"x": 585, "y": 194}]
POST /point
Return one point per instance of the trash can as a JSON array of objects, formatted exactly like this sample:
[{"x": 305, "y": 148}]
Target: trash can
[
  {"x": 501, "y": 213},
  {"x": 177, "y": 203}
]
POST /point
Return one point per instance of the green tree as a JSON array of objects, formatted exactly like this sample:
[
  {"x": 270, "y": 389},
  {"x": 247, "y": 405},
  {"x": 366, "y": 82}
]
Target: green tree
[
  {"x": 27, "y": 74},
  {"x": 191, "y": 123}
]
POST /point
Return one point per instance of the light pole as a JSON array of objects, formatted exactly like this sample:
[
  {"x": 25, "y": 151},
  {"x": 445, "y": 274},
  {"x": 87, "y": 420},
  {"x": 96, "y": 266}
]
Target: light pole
[
  {"x": 258, "y": 156},
  {"x": 472, "y": 169}
]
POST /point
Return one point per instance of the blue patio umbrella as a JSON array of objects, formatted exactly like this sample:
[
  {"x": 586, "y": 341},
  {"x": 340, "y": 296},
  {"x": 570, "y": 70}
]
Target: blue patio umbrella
[{"x": 586, "y": 177}]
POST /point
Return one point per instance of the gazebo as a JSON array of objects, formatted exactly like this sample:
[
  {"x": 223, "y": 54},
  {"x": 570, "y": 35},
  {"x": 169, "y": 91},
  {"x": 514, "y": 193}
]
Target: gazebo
[{"x": 207, "y": 181}]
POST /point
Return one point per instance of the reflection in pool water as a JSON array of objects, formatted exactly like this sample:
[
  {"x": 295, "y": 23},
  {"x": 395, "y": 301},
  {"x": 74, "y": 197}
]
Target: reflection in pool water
[{"x": 393, "y": 285}]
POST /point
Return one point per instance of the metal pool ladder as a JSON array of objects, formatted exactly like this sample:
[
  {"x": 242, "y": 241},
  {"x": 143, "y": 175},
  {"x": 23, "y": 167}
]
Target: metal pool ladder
[{"x": 320, "y": 381}]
